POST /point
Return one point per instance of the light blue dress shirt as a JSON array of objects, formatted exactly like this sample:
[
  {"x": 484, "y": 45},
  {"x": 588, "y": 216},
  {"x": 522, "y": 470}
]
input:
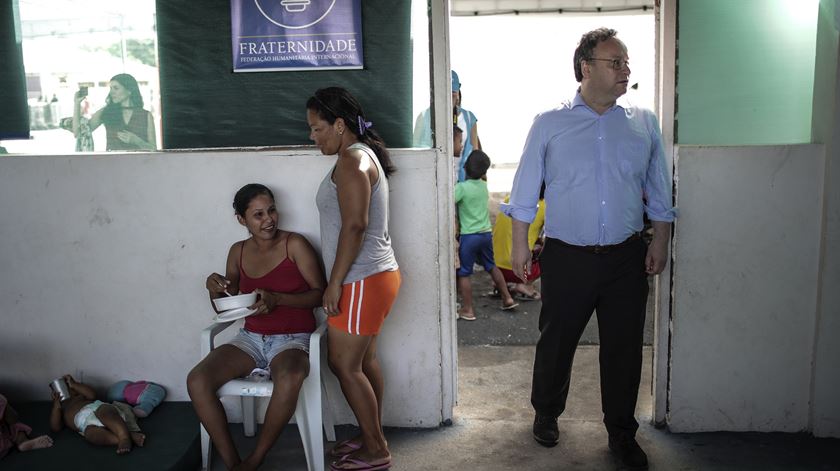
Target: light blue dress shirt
[{"x": 597, "y": 169}]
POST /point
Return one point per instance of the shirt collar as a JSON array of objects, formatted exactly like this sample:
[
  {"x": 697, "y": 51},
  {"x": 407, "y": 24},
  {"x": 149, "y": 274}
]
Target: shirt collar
[{"x": 578, "y": 101}]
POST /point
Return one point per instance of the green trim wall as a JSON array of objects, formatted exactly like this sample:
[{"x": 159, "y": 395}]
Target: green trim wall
[
  {"x": 204, "y": 104},
  {"x": 14, "y": 119},
  {"x": 745, "y": 71}
]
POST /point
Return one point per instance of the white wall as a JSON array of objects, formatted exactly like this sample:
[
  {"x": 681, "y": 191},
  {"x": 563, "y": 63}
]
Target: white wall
[
  {"x": 745, "y": 287},
  {"x": 103, "y": 260},
  {"x": 826, "y": 129}
]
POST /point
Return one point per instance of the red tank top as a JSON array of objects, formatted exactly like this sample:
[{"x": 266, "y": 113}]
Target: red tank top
[{"x": 284, "y": 278}]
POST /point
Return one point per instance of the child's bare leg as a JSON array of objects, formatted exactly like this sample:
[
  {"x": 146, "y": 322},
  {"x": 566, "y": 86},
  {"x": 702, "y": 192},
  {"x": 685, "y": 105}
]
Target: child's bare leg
[
  {"x": 465, "y": 288},
  {"x": 501, "y": 285},
  {"x": 110, "y": 417},
  {"x": 138, "y": 438},
  {"x": 100, "y": 436}
]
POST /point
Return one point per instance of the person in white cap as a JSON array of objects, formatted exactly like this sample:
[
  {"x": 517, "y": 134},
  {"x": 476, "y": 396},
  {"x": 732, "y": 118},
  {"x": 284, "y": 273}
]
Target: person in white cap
[{"x": 461, "y": 117}]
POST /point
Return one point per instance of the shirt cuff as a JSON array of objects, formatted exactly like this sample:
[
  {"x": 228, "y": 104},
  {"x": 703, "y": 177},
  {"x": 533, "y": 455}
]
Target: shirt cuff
[
  {"x": 519, "y": 213},
  {"x": 667, "y": 215}
]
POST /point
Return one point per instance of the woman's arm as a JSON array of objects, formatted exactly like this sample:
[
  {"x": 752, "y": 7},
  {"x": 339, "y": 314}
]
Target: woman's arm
[
  {"x": 94, "y": 121},
  {"x": 151, "y": 139},
  {"x": 303, "y": 255},
  {"x": 474, "y": 140},
  {"x": 353, "y": 183},
  {"x": 217, "y": 284}
]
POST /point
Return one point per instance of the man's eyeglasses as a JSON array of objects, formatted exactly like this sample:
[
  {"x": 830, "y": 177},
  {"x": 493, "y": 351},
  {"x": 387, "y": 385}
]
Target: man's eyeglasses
[{"x": 616, "y": 64}]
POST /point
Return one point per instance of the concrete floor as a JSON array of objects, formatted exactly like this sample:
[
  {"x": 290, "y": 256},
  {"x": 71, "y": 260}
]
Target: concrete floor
[{"x": 491, "y": 429}]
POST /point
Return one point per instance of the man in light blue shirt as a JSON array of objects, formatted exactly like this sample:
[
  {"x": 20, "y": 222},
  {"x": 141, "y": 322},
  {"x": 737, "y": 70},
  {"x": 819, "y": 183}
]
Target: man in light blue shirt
[{"x": 604, "y": 167}]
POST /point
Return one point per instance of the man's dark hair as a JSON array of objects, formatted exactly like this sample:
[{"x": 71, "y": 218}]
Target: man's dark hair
[
  {"x": 477, "y": 164},
  {"x": 587, "y": 44}
]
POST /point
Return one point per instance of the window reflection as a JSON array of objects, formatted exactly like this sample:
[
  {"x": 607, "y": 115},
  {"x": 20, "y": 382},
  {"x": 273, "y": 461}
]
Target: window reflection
[{"x": 77, "y": 47}]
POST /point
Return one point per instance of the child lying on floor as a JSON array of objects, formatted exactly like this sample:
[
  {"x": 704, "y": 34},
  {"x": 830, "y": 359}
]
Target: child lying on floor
[{"x": 101, "y": 424}]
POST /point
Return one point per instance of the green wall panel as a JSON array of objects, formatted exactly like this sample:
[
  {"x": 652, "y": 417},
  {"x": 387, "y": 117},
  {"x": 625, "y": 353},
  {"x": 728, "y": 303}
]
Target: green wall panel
[
  {"x": 745, "y": 71},
  {"x": 205, "y": 104}
]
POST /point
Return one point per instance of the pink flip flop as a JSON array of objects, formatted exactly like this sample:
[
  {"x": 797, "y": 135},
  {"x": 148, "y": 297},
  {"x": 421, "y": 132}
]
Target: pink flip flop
[
  {"x": 359, "y": 465},
  {"x": 348, "y": 445}
]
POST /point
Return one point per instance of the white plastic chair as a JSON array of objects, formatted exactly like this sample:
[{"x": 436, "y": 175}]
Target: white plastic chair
[{"x": 311, "y": 400}]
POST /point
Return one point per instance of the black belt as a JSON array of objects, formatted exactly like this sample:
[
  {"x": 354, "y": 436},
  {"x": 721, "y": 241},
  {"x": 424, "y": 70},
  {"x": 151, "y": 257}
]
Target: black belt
[{"x": 599, "y": 249}]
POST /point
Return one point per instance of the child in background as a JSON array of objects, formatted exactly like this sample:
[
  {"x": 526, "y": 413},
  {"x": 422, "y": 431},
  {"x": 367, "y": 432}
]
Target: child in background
[
  {"x": 476, "y": 243},
  {"x": 502, "y": 242},
  {"x": 457, "y": 147},
  {"x": 101, "y": 424}
]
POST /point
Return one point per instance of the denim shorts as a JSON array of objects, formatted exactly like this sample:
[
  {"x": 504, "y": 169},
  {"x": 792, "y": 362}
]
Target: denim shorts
[{"x": 263, "y": 348}]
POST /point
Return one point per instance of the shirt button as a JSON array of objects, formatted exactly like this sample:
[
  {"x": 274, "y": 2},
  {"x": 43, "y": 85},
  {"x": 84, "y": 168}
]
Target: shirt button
[{"x": 603, "y": 202}]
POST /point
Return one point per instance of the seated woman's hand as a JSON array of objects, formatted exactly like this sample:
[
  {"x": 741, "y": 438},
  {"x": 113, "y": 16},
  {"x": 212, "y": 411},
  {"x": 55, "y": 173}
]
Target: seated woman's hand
[
  {"x": 266, "y": 301},
  {"x": 217, "y": 284}
]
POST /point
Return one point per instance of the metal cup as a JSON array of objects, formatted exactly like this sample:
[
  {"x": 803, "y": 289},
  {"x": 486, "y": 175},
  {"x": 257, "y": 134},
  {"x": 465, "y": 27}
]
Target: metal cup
[{"x": 61, "y": 388}]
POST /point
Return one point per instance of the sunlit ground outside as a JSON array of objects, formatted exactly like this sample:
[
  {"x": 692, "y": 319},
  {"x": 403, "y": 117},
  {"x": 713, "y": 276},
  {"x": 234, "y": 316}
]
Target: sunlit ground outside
[{"x": 514, "y": 66}]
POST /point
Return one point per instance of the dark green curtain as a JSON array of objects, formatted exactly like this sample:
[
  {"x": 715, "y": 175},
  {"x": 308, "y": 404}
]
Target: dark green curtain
[
  {"x": 204, "y": 104},
  {"x": 14, "y": 118}
]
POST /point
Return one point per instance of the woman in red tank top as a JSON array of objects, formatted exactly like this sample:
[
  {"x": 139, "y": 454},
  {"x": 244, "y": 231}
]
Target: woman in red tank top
[{"x": 283, "y": 269}]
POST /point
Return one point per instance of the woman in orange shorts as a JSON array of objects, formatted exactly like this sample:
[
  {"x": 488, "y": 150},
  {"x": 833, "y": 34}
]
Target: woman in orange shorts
[{"x": 363, "y": 274}]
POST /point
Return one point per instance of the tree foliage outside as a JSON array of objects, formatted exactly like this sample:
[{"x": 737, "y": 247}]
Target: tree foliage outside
[{"x": 142, "y": 50}]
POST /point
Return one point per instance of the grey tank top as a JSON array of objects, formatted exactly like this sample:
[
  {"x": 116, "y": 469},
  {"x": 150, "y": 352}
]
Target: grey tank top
[{"x": 376, "y": 254}]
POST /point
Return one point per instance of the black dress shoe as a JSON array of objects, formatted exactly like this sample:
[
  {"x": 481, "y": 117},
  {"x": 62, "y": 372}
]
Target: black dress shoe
[
  {"x": 545, "y": 430},
  {"x": 629, "y": 451}
]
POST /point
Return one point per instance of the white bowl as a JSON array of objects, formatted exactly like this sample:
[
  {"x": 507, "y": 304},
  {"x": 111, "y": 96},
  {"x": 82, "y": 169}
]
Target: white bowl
[{"x": 234, "y": 302}]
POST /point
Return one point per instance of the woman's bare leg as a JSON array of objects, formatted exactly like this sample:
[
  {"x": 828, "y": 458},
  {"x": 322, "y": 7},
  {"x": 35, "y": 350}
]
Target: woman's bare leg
[
  {"x": 218, "y": 367},
  {"x": 288, "y": 370},
  {"x": 371, "y": 368},
  {"x": 373, "y": 372},
  {"x": 347, "y": 353}
]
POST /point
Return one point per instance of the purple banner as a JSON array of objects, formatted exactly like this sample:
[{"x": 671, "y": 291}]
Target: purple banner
[{"x": 278, "y": 35}]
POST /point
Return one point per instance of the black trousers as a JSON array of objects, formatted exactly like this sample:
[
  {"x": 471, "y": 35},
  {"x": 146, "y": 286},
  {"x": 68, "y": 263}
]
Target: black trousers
[{"x": 574, "y": 283}]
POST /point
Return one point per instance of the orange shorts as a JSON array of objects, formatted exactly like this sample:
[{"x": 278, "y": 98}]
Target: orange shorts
[{"x": 365, "y": 304}]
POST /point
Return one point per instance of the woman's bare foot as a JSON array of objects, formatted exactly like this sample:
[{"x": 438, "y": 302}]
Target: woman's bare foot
[
  {"x": 346, "y": 447},
  {"x": 139, "y": 439},
  {"x": 44, "y": 441},
  {"x": 249, "y": 464},
  {"x": 123, "y": 445}
]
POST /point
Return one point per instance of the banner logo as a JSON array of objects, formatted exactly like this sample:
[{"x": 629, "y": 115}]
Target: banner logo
[{"x": 294, "y": 14}]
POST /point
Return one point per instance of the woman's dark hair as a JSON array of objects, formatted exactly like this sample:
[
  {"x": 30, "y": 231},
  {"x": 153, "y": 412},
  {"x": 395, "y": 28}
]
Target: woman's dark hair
[
  {"x": 335, "y": 102},
  {"x": 587, "y": 44},
  {"x": 477, "y": 164},
  {"x": 246, "y": 194},
  {"x": 112, "y": 115}
]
